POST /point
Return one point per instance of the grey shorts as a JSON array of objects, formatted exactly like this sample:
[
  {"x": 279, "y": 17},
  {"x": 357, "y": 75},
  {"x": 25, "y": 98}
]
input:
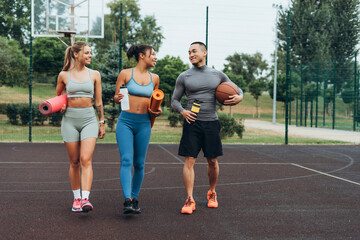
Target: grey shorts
[{"x": 78, "y": 124}]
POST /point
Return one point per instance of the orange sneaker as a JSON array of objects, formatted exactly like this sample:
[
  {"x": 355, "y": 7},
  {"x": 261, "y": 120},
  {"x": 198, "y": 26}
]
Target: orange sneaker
[
  {"x": 212, "y": 199},
  {"x": 189, "y": 206}
]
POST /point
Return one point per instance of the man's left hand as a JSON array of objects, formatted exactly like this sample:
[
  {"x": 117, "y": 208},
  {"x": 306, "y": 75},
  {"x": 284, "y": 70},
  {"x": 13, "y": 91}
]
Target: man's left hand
[{"x": 233, "y": 100}]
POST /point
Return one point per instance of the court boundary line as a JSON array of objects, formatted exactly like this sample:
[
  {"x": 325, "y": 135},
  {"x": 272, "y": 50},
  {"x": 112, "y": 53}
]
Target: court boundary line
[{"x": 325, "y": 174}]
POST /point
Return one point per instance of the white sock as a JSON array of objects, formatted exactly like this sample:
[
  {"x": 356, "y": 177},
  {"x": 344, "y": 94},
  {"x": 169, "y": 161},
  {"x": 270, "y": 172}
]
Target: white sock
[
  {"x": 85, "y": 194},
  {"x": 77, "y": 193}
]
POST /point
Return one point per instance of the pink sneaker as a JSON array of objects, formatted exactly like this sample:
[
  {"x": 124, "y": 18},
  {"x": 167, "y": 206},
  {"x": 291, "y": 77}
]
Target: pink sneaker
[
  {"x": 77, "y": 205},
  {"x": 86, "y": 205}
]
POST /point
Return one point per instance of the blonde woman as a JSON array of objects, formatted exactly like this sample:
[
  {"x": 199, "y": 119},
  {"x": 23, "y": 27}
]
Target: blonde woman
[{"x": 80, "y": 127}]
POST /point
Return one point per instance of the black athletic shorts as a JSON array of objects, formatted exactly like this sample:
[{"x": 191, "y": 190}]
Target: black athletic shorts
[{"x": 199, "y": 135}]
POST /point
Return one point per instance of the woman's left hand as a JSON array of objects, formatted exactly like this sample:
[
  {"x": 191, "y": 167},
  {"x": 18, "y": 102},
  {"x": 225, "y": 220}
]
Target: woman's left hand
[
  {"x": 155, "y": 114},
  {"x": 101, "y": 131}
]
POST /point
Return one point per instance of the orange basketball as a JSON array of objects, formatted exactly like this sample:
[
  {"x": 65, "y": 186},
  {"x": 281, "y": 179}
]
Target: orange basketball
[{"x": 224, "y": 90}]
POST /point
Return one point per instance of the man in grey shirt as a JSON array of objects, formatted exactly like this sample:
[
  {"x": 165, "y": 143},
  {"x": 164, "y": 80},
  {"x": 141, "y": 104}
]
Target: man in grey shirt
[{"x": 201, "y": 130}]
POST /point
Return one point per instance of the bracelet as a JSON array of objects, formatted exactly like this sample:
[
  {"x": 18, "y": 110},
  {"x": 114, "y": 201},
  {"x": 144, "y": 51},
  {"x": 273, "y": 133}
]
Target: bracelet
[{"x": 102, "y": 121}]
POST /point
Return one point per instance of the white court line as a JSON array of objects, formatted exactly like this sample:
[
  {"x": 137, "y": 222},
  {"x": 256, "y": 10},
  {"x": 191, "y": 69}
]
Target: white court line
[
  {"x": 170, "y": 153},
  {"x": 151, "y": 163},
  {"x": 326, "y": 174}
]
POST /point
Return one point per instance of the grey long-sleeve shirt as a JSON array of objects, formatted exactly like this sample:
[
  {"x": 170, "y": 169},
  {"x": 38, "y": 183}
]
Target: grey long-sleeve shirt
[{"x": 199, "y": 83}]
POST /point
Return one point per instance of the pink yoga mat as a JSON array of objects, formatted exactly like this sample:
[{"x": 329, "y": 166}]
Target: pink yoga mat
[{"x": 53, "y": 105}]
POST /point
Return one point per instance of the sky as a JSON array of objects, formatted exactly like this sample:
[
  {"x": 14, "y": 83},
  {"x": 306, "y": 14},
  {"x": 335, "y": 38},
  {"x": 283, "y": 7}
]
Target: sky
[{"x": 235, "y": 26}]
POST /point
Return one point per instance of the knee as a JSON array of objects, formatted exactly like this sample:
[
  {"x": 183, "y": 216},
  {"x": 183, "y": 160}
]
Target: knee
[
  {"x": 126, "y": 161},
  {"x": 213, "y": 163},
  {"x": 139, "y": 166},
  {"x": 85, "y": 161},
  {"x": 189, "y": 162},
  {"x": 75, "y": 163}
]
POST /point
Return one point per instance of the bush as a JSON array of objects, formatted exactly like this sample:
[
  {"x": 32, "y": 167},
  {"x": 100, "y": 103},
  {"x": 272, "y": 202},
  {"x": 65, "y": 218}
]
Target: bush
[
  {"x": 38, "y": 117},
  {"x": 3, "y": 108},
  {"x": 229, "y": 126},
  {"x": 240, "y": 128},
  {"x": 12, "y": 113},
  {"x": 111, "y": 113},
  {"x": 24, "y": 114},
  {"x": 173, "y": 118},
  {"x": 55, "y": 119}
]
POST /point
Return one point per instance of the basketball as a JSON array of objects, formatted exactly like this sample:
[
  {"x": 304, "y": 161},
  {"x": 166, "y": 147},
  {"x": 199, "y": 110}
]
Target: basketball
[{"x": 224, "y": 90}]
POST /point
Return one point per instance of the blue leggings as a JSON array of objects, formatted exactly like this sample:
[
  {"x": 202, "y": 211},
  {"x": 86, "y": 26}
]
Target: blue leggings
[{"x": 132, "y": 135}]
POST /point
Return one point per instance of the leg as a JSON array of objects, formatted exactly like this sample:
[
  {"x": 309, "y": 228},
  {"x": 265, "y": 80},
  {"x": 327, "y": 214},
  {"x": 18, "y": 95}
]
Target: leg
[
  {"x": 189, "y": 176},
  {"x": 86, "y": 153},
  {"x": 213, "y": 172},
  {"x": 141, "y": 144},
  {"x": 125, "y": 142},
  {"x": 73, "y": 150}
]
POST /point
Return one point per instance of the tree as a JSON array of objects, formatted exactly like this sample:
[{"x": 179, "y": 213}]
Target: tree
[
  {"x": 168, "y": 69},
  {"x": 248, "y": 72},
  {"x": 256, "y": 88},
  {"x": 149, "y": 33},
  {"x": 14, "y": 66},
  {"x": 322, "y": 31},
  {"x": 250, "y": 67},
  {"x": 48, "y": 56},
  {"x": 15, "y": 21},
  {"x": 135, "y": 29}
]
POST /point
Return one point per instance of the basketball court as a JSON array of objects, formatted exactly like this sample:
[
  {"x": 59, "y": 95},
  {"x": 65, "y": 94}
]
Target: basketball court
[{"x": 264, "y": 192}]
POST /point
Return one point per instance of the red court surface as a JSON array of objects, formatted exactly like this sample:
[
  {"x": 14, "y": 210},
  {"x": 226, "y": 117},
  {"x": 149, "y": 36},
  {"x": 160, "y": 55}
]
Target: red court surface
[{"x": 264, "y": 192}]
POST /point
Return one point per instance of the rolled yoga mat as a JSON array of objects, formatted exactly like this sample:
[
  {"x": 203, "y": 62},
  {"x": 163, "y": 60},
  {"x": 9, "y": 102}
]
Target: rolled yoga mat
[
  {"x": 155, "y": 102},
  {"x": 53, "y": 105}
]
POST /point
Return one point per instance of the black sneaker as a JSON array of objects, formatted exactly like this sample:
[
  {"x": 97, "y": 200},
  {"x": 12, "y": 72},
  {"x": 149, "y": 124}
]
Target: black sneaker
[
  {"x": 135, "y": 204},
  {"x": 128, "y": 206}
]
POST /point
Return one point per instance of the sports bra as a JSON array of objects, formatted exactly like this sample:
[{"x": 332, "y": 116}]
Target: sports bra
[
  {"x": 137, "y": 89},
  {"x": 80, "y": 89}
]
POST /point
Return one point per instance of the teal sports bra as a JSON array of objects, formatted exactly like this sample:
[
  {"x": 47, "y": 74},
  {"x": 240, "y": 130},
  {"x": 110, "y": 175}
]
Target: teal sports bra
[
  {"x": 139, "y": 90},
  {"x": 80, "y": 89}
]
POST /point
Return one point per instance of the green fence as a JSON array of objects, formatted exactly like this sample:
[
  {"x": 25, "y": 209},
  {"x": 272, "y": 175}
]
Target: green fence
[{"x": 324, "y": 94}]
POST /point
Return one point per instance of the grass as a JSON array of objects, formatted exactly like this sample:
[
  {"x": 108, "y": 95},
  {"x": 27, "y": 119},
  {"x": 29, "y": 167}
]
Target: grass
[{"x": 162, "y": 132}]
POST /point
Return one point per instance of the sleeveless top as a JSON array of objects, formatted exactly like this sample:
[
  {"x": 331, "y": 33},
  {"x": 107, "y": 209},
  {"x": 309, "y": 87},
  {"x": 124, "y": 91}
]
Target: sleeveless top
[
  {"x": 80, "y": 89},
  {"x": 139, "y": 90}
]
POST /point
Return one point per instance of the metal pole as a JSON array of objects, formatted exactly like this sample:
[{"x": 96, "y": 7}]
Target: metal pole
[
  {"x": 275, "y": 65},
  {"x": 354, "y": 112},
  {"x": 287, "y": 76},
  {"x": 334, "y": 94},
  {"x": 324, "y": 96},
  {"x": 207, "y": 33},
  {"x": 120, "y": 44},
  {"x": 30, "y": 91},
  {"x": 120, "y": 37},
  {"x": 301, "y": 93},
  {"x": 290, "y": 96},
  {"x": 317, "y": 96}
]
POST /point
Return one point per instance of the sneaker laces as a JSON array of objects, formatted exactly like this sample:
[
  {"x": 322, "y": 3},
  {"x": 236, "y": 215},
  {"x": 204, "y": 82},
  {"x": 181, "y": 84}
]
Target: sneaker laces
[
  {"x": 188, "y": 202},
  {"x": 212, "y": 197}
]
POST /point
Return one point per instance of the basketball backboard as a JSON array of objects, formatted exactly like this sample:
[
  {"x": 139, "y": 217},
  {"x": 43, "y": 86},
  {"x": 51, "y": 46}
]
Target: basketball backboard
[{"x": 54, "y": 18}]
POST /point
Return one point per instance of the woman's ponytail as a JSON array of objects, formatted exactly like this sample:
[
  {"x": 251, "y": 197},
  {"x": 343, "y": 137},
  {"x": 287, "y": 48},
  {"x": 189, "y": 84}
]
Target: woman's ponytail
[
  {"x": 135, "y": 50},
  {"x": 68, "y": 59}
]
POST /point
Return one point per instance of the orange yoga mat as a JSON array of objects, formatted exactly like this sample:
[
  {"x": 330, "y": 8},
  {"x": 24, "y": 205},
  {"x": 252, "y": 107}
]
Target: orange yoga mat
[
  {"x": 155, "y": 103},
  {"x": 53, "y": 105}
]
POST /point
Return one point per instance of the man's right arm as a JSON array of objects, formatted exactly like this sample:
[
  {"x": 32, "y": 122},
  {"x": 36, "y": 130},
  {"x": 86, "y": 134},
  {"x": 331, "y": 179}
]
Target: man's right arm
[{"x": 177, "y": 94}]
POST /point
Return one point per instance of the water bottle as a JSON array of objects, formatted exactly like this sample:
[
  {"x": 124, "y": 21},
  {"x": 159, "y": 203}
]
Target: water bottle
[
  {"x": 195, "y": 108},
  {"x": 125, "y": 99}
]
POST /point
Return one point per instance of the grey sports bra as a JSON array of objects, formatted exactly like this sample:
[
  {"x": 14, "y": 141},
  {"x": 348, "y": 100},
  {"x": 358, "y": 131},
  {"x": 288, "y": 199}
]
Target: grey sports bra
[{"x": 80, "y": 89}]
